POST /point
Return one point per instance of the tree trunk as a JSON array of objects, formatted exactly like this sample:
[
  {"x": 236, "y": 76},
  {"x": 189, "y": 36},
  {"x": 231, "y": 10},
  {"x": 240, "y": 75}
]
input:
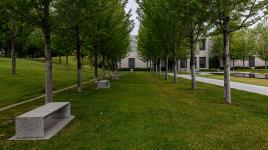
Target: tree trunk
[
  {"x": 147, "y": 67},
  {"x": 174, "y": 63},
  {"x": 116, "y": 68},
  {"x": 103, "y": 72},
  {"x": 48, "y": 55},
  {"x": 233, "y": 64},
  {"x": 6, "y": 52},
  {"x": 13, "y": 47},
  {"x": 48, "y": 62},
  {"x": 96, "y": 68},
  {"x": 13, "y": 55},
  {"x": 177, "y": 65},
  {"x": 67, "y": 62},
  {"x": 160, "y": 67},
  {"x": 166, "y": 75},
  {"x": 243, "y": 64},
  {"x": 265, "y": 64},
  {"x": 78, "y": 57},
  {"x": 175, "y": 70},
  {"x": 226, "y": 62},
  {"x": 59, "y": 59},
  {"x": 156, "y": 66},
  {"x": 109, "y": 70},
  {"x": 151, "y": 66},
  {"x": 192, "y": 61}
]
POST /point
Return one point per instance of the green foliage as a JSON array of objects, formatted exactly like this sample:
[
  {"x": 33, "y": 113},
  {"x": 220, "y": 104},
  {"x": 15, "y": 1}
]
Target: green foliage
[
  {"x": 230, "y": 16},
  {"x": 243, "y": 45},
  {"x": 261, "y": 36},
  {"x": 160, "y": 31}
]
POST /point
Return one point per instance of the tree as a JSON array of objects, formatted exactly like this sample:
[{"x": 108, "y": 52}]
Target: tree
[
  {"x": 42, "y": 16},
  {"x": 261, "y": 36},
  {"x": 109, "y": 30},
  {"x": 74, "y": 15},
  {"x": 158, "y": 35},
  {"x": 195, "y": 19},
  {"x": 62, "y": 42},
  {"x": 217, "y": 50},
  {"x": 11, "y": 11},
  {"x": 243, "y": 45},
  {"x": 229, "y": 16}
]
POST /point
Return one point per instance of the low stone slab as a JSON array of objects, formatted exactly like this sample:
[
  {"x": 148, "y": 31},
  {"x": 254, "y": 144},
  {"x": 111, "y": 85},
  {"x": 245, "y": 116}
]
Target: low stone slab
[
  {"x": 43, "y": 122},
  {"x": 115, "y": 77},
  {"x": 104, "y": 84}
]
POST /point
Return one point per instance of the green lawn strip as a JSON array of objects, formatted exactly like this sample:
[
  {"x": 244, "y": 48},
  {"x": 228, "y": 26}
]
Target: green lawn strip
[
  {"x": 142, "y": 111},
  {"x": 30, "y": 79},
  {"x": 262, "y": 71},
  {"x": 261, "y": 82}
]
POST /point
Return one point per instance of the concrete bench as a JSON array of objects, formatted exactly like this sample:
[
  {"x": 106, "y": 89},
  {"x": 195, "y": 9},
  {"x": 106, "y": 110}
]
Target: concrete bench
[
  {"x": 104, "y": 84},
  {"x": 115, "y": 77},
  {"x": 43, "y": 122}
]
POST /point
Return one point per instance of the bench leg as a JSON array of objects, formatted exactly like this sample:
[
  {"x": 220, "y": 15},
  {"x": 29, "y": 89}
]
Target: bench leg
[
  {"x": 30, "y": 128},
  {"x": 65, "y": 112}
]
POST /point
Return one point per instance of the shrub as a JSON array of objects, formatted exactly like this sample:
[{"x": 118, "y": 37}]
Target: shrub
[{"x": 209, "y": 70}]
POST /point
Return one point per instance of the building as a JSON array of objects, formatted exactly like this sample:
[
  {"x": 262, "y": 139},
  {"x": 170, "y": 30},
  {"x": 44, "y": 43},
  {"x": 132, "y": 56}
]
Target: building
[
  {"x": 202, "y": 59},
  {"x": 133, "y": 60}
]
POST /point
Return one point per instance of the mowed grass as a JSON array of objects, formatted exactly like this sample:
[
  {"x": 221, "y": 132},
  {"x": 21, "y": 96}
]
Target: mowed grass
[
  {"x": 144, "y": 112},
  {"x": 29, "y": 81},
  {"x": 254, "y": 81},
  {"x": 262, "y": 71}
]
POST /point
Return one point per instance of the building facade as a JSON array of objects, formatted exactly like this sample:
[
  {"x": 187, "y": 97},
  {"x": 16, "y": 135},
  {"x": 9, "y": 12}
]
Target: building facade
[
  {"x": 202, "y": 59},
  {"x": 132, "y": 59}
]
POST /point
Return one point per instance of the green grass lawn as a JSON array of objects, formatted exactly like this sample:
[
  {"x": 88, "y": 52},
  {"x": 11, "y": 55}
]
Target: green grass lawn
[
  {"x": 141, "y": 111},
  {"x": 30, "y": 79},
  {"x": 261, "y": 82},
  {"x": 262, "y": 71}
]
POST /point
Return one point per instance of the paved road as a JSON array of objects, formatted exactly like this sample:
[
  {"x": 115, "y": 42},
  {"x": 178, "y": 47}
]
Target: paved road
[{"x": 235, "y": 85}]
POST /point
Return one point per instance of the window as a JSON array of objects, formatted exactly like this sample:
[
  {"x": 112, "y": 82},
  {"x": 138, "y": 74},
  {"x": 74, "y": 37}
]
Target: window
[
  {"x": 183, "y": 63},
  {"x": 202, "y": 44},
  {"x": 202, "y": 62},
  {"x": 131, "y": 63},
  {"x": 195, "y": 62},
  {"x": 252, "y": 62}
]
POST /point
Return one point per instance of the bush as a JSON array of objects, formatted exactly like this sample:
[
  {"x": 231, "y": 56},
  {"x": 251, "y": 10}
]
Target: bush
[
  {"x": 209, "y": 70},
  {"x": 260, "y": 67},
  {"x": 240, "y": 67}
]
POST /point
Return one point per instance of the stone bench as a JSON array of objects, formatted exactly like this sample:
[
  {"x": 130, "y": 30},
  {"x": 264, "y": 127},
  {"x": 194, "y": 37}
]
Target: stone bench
[
  {"x": 104, "y": 84},
  {"x": 115, "y": 77},
  {"x": 43, "y": 122}
]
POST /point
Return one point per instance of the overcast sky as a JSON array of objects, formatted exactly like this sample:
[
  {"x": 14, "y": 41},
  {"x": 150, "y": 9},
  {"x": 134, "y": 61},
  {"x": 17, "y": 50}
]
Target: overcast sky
[{"x": 133, "y": 6}]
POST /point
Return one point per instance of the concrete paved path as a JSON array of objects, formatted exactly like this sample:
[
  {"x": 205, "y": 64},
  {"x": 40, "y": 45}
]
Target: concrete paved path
[{"x": 234, "y": 85}]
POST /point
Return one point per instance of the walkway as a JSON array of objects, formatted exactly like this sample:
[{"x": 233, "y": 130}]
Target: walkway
[{"x": 235, "y": 85}]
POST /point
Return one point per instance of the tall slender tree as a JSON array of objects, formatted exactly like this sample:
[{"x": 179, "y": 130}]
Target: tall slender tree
[{"x": 229, "y": 16}]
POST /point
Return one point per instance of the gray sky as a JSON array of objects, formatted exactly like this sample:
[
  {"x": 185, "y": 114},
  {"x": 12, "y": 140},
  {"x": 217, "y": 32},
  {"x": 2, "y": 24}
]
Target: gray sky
[{"x": 133, "y": 6}]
